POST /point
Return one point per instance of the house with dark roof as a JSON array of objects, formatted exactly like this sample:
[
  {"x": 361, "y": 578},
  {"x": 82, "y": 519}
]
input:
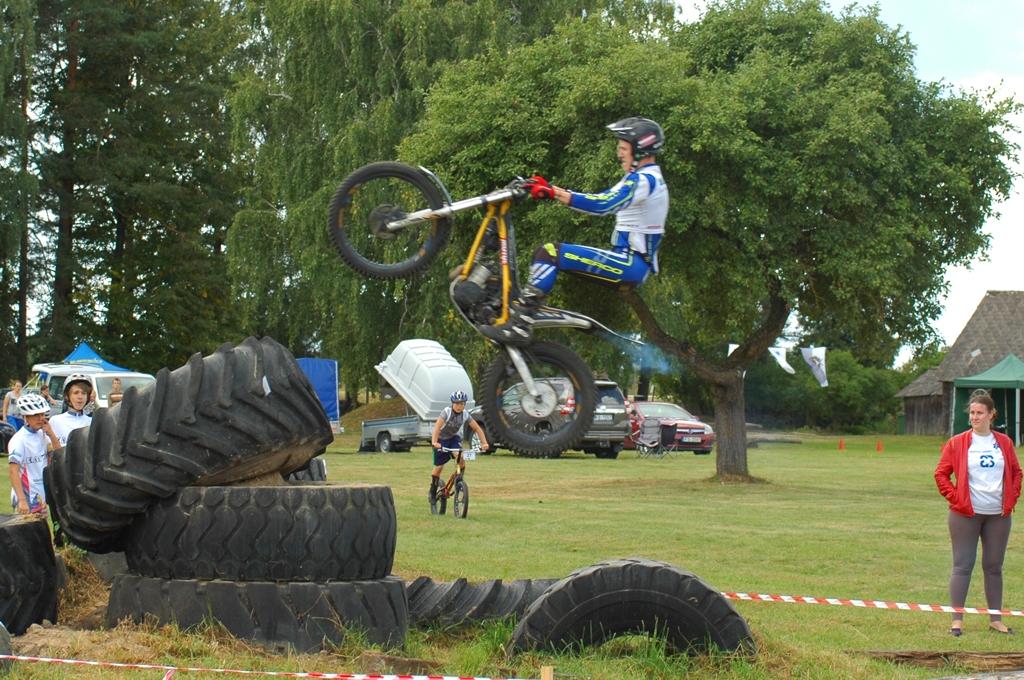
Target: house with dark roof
[{"x": 933, "y": 404}]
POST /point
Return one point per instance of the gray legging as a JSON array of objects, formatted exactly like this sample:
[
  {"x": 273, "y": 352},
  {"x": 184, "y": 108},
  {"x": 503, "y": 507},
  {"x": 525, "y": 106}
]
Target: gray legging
[{"x": 994, "y": 531}]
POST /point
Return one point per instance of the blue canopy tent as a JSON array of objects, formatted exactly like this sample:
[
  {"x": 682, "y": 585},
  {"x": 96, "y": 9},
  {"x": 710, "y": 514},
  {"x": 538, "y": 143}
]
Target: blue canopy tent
[{"x": 84, "y": 354}]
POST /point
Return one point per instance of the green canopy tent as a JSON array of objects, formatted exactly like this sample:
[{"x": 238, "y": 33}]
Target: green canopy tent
[{"x": 1005, "y": 380}]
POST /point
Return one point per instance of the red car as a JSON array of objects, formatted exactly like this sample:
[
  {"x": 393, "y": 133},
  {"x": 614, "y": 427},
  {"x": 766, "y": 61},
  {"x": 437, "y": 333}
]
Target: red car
[{"x": 691, "y": 433}]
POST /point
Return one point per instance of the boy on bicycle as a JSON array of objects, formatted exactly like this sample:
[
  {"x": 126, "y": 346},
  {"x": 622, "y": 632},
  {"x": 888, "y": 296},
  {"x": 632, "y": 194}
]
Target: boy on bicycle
[{"x": 447, "y": 435}]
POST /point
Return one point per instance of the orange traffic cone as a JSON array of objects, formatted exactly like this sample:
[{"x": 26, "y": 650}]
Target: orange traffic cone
[
  {"x": 878, "y": 446},
  {"x": 842, "y": 444}
]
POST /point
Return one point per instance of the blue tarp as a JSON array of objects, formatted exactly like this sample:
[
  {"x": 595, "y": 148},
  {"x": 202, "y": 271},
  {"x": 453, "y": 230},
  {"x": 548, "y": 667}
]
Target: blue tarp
[
  {"x": 84, "y": 354},
  {"x": 323, "y": 374}
]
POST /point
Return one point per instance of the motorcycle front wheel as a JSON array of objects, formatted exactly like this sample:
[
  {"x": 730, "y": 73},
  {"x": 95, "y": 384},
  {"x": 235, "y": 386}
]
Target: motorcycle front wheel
[
  {"x": 547, "y": 423},
  {"x": 367, "y": 201}
]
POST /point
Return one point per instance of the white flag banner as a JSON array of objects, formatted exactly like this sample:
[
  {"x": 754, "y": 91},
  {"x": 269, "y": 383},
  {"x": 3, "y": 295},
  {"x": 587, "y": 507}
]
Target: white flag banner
[
  {"x": 732, "y": 348},
  {"x": 815, "y": 358},
  {"x": 780, "y": 356}
]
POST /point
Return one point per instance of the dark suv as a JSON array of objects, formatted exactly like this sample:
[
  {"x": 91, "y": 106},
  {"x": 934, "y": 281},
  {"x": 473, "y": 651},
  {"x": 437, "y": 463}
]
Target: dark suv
[
  {"x": 607, "y": 431},
  {"x": 605, "y": 436}
]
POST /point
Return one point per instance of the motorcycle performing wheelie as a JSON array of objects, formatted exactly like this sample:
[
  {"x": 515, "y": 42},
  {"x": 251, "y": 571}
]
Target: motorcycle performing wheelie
[{"x": 389, "y": 220}]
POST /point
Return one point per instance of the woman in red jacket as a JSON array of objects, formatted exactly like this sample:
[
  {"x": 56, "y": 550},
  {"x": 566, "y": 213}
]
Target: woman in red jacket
[{"x": 987, "y": 486}]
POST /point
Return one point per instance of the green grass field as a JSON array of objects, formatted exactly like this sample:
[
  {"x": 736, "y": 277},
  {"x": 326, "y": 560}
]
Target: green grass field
[{"x": 820, "y": 522}]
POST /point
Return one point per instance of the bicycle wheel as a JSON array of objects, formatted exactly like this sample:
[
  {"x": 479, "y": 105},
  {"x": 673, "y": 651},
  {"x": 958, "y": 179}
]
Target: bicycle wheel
[
  {"x": 554, "y": 420},
  {"x": 460, "y": 499},
  {"x": 439, "y": 503},
  {"x": 367, "y": 201}
]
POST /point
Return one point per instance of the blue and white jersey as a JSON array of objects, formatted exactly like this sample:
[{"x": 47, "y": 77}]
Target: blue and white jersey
[
  {"x": 66, "y": 423},
  {"x": 639, "y": 202}
]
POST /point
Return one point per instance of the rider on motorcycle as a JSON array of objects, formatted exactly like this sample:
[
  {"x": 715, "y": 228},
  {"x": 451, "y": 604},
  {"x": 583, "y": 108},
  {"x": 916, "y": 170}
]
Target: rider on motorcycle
[{"x": 640, "y": 203}]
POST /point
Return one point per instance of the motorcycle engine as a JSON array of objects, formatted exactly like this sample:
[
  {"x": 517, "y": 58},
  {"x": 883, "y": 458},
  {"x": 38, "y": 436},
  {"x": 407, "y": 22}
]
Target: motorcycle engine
[{"x": 478, "y": 296}]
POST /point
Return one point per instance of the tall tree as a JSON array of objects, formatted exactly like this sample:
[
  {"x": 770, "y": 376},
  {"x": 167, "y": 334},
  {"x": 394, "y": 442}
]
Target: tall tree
[
  {"x": 335, "y": 85},
  {"x": 138, "y": 175},
  {"x": 17, "y": 43},
  {"x": 811, "y": 173}
]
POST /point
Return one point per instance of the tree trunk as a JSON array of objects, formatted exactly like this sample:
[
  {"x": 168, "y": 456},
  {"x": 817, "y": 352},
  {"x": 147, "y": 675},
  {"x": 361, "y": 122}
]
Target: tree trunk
[
  {"x": 731, "y": 428},
  {"x": 21, "y": 360},
  {"x": 62, "y": 322}
]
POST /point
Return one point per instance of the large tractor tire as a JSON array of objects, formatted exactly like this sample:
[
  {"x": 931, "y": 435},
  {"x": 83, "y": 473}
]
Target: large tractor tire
[
  {"x": 632, "y": 596},
  {"x": 305, "y": 617},
  {"x": 314, "y": 471},
  {"x": 302, "y": 531},
  {"x": 28, "y": 572},
  {"x": 240, "y": 413}
]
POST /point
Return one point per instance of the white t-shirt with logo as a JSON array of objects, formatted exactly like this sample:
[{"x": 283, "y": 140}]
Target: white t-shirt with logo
[
  {"x": 27, "y": 450},
  {"x": 985, "y": 474},
  {"x": 66, "y": 423}
]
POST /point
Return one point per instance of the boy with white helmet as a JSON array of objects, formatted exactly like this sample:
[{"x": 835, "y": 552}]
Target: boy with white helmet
[
  {"x": 28, "y": 456},
  {"x": 447, "y": 434},
  {"x": 77, "y": 387}
]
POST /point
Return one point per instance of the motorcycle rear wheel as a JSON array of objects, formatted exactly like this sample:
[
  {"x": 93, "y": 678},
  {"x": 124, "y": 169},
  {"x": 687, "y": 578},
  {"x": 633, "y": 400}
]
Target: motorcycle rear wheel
[
  {"x": 366, "y": 201},
  {"x": 555, "y": 420}
]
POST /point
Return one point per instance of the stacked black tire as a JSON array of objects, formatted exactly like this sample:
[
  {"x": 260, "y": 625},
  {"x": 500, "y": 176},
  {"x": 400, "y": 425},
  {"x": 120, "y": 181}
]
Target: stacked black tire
[
  {"x": 28, "y": 573},
  {"x": 243, "y": 412},
  {"x": 284, "y": 563},
  {"x": 452, "y": 603},
  {"x": 291, "y": 566}
]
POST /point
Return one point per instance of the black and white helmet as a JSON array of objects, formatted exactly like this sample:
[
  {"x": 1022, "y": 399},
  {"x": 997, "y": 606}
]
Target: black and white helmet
[
  {"x": 32, "y": 404},
  {"x": 76, "y": 377},
  {"x": 458, "y": 396},
  {"x": 643, "y": 134}
]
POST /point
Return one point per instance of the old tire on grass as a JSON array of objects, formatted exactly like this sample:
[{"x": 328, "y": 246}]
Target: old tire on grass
[
  {"x": 305, "y": 617},
  {"x": 454, "y": 602},
  {"x": 28, "y": 572},
  {"x": 301, "y": 531},
  {"x": 239, "y": 413},
  {"x": 314, "y": 471},
  {"x": 5, "y": 648},
  {"x": 631, "y": 596}
]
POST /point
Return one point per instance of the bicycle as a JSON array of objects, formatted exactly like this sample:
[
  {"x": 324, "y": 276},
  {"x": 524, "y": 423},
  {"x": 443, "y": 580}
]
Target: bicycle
[
  {"x": 455, "y": 488},
  {"x": 389, "y": 220}
]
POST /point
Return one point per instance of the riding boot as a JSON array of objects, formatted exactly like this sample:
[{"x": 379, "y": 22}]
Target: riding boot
[{"x": 519, "y": 328}]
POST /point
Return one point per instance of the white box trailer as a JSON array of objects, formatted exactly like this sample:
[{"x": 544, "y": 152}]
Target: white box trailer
[{"x": 424, "y": 374}]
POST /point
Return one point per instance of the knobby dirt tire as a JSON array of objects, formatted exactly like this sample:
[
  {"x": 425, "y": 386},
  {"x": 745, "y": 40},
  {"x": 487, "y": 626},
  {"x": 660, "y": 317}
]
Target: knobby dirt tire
[
  {"x": 632, "y": 596},
  {"x": 28, "y": 572},
  {"x": 306, "y": 617},
  {"x": 302, "y": 531},
  {"x": 240, "y": 413},
  {"x": 539, "y": 445},
  {"x": 339, "y": 230}
]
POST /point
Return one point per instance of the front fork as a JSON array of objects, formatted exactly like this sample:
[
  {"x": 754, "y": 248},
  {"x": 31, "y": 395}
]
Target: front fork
[{"x": 524, "y": 371}]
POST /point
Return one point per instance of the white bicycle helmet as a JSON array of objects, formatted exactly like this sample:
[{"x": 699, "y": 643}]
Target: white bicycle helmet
[
  {"x": 76, "y": 377},
  {"x": 459, "y": 396},
  {"x": 32, "y": 404}
]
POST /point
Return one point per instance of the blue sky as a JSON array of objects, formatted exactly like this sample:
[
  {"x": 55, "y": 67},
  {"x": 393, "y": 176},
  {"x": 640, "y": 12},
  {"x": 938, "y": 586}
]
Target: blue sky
[{"x": 972, "y": 45}]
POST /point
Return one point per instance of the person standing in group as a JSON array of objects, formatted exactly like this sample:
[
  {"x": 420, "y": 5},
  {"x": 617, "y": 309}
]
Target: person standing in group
[
  {"x": 115, "y": 395},
  {"x": 28, "y": 455},
  {"x": 77, "y": 387},
  {"x": 10, "y": 406},
  {"x": 981, "y": 500}
]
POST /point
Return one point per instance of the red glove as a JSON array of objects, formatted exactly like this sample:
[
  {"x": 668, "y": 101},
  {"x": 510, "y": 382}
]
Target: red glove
[{"x": 540, "y": 189}]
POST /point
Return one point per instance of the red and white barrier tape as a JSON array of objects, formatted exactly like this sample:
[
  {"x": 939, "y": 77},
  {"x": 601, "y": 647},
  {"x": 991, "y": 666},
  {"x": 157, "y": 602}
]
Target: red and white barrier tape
[
  {"x": 171, "y": 670},
  {"x": 870, "y": 604}
]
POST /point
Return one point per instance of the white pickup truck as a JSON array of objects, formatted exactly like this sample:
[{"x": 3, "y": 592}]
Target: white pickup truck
[{"x": 424, "y": 374}]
